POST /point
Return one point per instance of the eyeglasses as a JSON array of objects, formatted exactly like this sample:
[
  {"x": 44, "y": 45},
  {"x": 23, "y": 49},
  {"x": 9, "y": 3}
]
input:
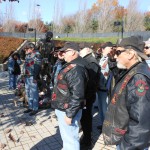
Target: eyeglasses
[
  {"x": 118, "y": 52},
  {"x": 147, "y": 47}
]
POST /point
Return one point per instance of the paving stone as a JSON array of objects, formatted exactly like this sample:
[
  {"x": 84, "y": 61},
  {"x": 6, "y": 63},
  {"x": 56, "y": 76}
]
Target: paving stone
[
  {"x": 17, "y": 148},
  {"x": 43, "y": 134},
  {"x": 25, "y": 146}
]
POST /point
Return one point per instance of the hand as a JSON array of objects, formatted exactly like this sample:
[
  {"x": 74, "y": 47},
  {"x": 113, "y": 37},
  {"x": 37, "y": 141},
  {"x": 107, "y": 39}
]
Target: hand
[
  {"x": 112, "y": 54},
  {"x": 68, "y": 120}
]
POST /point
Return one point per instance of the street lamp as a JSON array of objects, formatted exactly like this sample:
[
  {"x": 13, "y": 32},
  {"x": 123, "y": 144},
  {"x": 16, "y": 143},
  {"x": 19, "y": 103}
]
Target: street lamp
[
  {"x": 120, "y": 23},
  {"x": 33, "y": 29}
]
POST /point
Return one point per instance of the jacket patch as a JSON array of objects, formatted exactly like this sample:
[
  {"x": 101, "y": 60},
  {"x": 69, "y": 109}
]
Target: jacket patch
[
  {"x": 27, "y": 72},
  {"x": 114, "y": 99},
  {"x": 125, "y": 82},
  {"x": 59, "y": 77},
  {"x": 122, "y": 132},
  {"x": 62, "y": 86},
  {"x": 53, "y": 96},
  {"x": 30, "y": 64},
  {"x": 106, "y": 123},
  {"x": 69, "y": 68},
  {"x": 141, "y": 87},
  {"x": 66, "y": 105}
]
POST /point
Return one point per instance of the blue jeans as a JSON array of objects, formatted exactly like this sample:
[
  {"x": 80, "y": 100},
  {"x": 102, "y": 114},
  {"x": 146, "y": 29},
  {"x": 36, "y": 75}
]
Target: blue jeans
[
  {"x": 102, "y": 105},
  {"x": 32, "y": 93},
  {"x": 12, "y": 81},
  {"x": 69, "y": 133},
  {"x": 117, "y": 147}
]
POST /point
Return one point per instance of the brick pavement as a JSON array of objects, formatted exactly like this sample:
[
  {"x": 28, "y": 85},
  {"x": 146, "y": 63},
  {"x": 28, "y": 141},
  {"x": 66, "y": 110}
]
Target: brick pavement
[{"x": 43, "y": 134}]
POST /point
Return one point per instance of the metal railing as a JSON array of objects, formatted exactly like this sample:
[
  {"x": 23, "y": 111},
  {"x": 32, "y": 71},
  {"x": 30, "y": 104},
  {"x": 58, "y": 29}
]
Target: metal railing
[{"x": 144, "y": 34}]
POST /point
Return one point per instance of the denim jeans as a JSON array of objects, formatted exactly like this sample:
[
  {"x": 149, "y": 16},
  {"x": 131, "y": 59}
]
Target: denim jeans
[
  {"x": 117, "y": 147},
  {"x": 102, "y": 105},
  {"x": 32, "y": 93},
  {"x": 12, "y": 81},
  {"x": 69, "y": 133}
]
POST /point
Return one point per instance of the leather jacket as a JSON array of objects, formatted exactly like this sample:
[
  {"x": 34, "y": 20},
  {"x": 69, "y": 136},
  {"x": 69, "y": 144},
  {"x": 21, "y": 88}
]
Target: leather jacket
[
  {"x": 69, "y": 92},
  {"x": 127, "y": 118},
  {"x": 94, "y": 76}
]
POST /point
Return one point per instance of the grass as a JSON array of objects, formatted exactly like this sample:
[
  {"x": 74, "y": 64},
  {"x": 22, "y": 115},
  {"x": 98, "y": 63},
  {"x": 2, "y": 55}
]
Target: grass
[{"x": 92, "y": 40}]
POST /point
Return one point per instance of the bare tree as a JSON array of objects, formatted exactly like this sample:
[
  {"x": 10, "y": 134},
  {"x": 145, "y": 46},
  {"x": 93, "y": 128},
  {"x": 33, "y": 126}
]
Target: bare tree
[
  {"x": 35, "y": 20},
  {"x": 9, "y": 19},
  {"x": 134, "y": 19},
  {"x": 104, "y": 12},
  {"x": 57, "y": 16},
  {"x": 82, "y": 19}
]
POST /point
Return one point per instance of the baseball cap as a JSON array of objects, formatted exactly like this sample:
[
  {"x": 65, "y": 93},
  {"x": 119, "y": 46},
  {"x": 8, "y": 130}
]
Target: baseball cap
[
  {"x": 107, "y": 44},
  {"x": 30, "y": 45},
  {"x": 84, "y": 45},
  {"x": 70, "y": 45},
  {"x": 135, "y": 43}
]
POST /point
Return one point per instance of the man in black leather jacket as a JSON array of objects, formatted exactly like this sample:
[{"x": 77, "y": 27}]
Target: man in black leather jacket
[
  {"x": 94, "y": 75},
  {"x": 69, "y": 95},
  {"x": 127, "y": 122}
]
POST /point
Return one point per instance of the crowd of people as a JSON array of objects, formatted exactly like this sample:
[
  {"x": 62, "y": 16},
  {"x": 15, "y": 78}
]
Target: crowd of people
[{"x": 117, "y": 74}]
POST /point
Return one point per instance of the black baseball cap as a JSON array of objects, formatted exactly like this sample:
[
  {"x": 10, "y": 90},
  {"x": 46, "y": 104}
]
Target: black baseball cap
[
  {"x": 135, "y": 43},
  {"x": 84, "y": 45},
  {"x": 70, "y": 45},
  {"x": 107, "y": 44}
]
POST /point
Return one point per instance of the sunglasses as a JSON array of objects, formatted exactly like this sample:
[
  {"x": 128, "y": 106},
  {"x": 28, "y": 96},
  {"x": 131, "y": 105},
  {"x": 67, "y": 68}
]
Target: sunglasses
[
  {"x": 147, "y": 47},
  {"x": 118, "y": 52}
]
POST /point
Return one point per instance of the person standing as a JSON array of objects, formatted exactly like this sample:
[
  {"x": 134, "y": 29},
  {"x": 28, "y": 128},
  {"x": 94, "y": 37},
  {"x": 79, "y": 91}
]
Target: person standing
[
  {"x": 103, "y": 90},
  {"x": 126, "y": 121},
  {"x": 14, "y": 70},
  {"x": 147, "y": 51},
  {"x": 94, "y": 75},
  {"x": 69, "y": 95},
  {"x": 32, "y": 68},
  {"x": 57, "y": 66},
  {"x": 147, "y": 48}
]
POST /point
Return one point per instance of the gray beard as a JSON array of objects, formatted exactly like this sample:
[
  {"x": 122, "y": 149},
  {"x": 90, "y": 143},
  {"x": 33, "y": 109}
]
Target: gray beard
[{"x": 121, "y": 66}]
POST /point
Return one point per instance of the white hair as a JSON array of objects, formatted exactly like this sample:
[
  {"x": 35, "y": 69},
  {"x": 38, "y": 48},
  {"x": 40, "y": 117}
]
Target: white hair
[
  {"x": 137, "y": 57},
  {"x": 85, "y": 51}
]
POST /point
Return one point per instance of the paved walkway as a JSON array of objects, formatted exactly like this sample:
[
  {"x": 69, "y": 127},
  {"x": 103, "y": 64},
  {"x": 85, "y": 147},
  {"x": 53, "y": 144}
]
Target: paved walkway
[{"x": 42, "y": 135}]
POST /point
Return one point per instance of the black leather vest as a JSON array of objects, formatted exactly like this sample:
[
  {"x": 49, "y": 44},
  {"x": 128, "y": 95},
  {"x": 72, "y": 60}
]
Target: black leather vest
[{"x": 117, "y": 117}]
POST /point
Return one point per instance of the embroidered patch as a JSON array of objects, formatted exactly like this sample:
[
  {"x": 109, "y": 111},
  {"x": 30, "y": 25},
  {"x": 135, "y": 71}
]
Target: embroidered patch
[
  {"x": 59, "y": 77},
  {"x": 141, "y": 87},
  {"x": 106, "y": 123},
  {"x": 121, "y": 131},
  {"x": 66, "y": 105},
  {"x": 53, "y": 96},
  {"x": 114, "y": 99},
  {"x": 62, "y": 86}
]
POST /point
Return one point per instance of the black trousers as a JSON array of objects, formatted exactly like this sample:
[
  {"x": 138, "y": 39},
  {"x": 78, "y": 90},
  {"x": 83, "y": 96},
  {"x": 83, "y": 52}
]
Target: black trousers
[{"x": 86, "y": 119}]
